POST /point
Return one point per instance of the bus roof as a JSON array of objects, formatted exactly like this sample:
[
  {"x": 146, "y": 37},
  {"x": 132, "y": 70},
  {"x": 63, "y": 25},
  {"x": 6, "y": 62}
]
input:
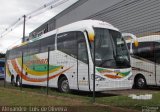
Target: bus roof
[
  {"x": 79, "y": 26},
  {"x": 76, "y": 26},
  {"x": 149, "y": 38},
  {"x": 87, "y": 23},
  {"x": 146, "y": 38}
]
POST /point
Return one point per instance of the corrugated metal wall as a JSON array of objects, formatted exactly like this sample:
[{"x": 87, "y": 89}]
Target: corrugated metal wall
[
  {"x": 84, "y": 10},
  {"x": 76, "y": 12},
  {"x": 135, "y": 16}
]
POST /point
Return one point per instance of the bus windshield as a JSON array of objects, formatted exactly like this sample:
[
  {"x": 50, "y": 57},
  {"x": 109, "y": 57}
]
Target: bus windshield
[
  {"x": 2, "y": 67},
  {"x": 2, "y": 63},
  {"x": 110, "y": 49}
]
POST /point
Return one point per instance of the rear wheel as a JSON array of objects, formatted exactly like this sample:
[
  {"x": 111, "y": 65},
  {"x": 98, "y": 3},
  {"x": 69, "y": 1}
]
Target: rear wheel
[
  {"x": 63, "y": 85},
  {"x": 12, "y": 81},
  {"x": 140, "y": 82},
  {"x": 18, "y": 81}
]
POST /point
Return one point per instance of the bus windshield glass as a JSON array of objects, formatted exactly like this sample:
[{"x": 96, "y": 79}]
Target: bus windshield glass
[
  {"x": 2, "y": 63},
  {"x": 1, "y": 68},
  {"x": 110, "y": 49}
]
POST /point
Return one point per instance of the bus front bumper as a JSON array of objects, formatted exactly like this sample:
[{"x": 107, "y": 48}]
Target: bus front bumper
[{"x": 113, "y": 85}]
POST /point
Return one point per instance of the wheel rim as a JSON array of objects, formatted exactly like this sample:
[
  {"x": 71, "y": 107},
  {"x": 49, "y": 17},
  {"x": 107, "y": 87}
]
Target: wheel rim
[
  {"x": 18, "y": 82},
  {"x": 141, "y": 82},
  {"x": 65, "y": 86}
]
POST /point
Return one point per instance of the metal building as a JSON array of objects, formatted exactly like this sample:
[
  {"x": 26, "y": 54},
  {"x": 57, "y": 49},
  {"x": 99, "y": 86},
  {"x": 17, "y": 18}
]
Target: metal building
[{"x": 140, "y": 17}]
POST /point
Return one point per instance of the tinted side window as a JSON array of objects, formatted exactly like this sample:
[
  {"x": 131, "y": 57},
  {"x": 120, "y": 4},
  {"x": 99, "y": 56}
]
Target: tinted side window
[
  {"x": 25, "y": 50},
  {"x": 18, "y": 52},
  {"x": 14, "y": 53},
  {"x": 48, "y": 42},
  {"x": 34, "y": 47},
  {"x": 10, "y": 54},
  {"x": 7, "y": 54},
  {"x": 67, "y": 43},
  {"x": 157, "y": 52},
  {"x": 145, "y": 50}
]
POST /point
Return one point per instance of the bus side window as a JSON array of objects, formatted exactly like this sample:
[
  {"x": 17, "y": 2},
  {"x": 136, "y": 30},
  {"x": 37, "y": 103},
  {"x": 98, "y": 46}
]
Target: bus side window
[
  {"x": 157, "y": 52},
  {"x": 13, "y": 54},
  {"x": 25, "y": 50},
  {"x": 48, "y": 42},
  {"x": 82, "y": 48},
  {"x": 18, "y": 52},
  {"x": 34, "y": 47},
  {"x": 67, "y": 43},
  {"x": 135, "y": 50},
  {"x": 7, "y": 54},
  {"x": 145, "y": 50}
]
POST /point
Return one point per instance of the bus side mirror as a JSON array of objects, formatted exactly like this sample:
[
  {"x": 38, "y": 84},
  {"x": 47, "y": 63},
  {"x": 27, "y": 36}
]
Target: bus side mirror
[{"x": 91, "y": 34}]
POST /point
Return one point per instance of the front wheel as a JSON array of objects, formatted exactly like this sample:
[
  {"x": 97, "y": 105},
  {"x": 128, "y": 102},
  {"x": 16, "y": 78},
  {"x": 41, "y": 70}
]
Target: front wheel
[
  {"x": 63, "y": 85},
  {"x": 140, "y": 82}
]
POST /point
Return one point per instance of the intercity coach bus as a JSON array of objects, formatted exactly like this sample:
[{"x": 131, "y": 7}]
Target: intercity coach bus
[
  {"x": 145, "y": 61},
  {"x": 64, "y": 59}
]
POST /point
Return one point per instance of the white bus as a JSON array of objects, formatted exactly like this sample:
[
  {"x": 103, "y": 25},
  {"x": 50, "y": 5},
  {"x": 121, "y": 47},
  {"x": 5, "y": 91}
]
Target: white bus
[
  {"x": 70, "y": 59},
  {"x": 145, "y": 61}
]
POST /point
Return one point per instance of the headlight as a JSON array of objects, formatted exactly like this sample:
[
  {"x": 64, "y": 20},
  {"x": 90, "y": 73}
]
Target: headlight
[{"x": 98, "y": 78}]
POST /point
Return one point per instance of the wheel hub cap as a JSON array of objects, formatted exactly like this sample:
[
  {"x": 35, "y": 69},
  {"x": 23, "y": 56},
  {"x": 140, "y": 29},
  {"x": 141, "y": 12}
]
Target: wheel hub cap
[{"x": 141, "y": 82}]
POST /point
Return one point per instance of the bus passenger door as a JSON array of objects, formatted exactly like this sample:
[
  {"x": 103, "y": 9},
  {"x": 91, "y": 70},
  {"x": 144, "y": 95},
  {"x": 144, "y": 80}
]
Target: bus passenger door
[{"x": 82, "y": 63}]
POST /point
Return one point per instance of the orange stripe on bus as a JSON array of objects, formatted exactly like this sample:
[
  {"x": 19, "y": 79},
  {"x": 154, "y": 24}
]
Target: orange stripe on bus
[
  {"x": 112, "y": 76},
  {"x": 33, "y": 79}
]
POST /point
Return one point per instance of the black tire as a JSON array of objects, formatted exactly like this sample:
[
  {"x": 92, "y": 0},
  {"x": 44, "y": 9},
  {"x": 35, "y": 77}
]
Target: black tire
[
  {"x": 63, "y": 85},
  {"x": 18, "y": 81},
  {"x": 12, "y": 81},
  {"x": 140, "y": 82}
]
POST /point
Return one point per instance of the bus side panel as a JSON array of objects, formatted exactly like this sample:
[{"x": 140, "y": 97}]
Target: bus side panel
[
  {"x": 35, "y": 69},
  {"x": 145, "y": 68},
  {"x": 68, "y": 68}
]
